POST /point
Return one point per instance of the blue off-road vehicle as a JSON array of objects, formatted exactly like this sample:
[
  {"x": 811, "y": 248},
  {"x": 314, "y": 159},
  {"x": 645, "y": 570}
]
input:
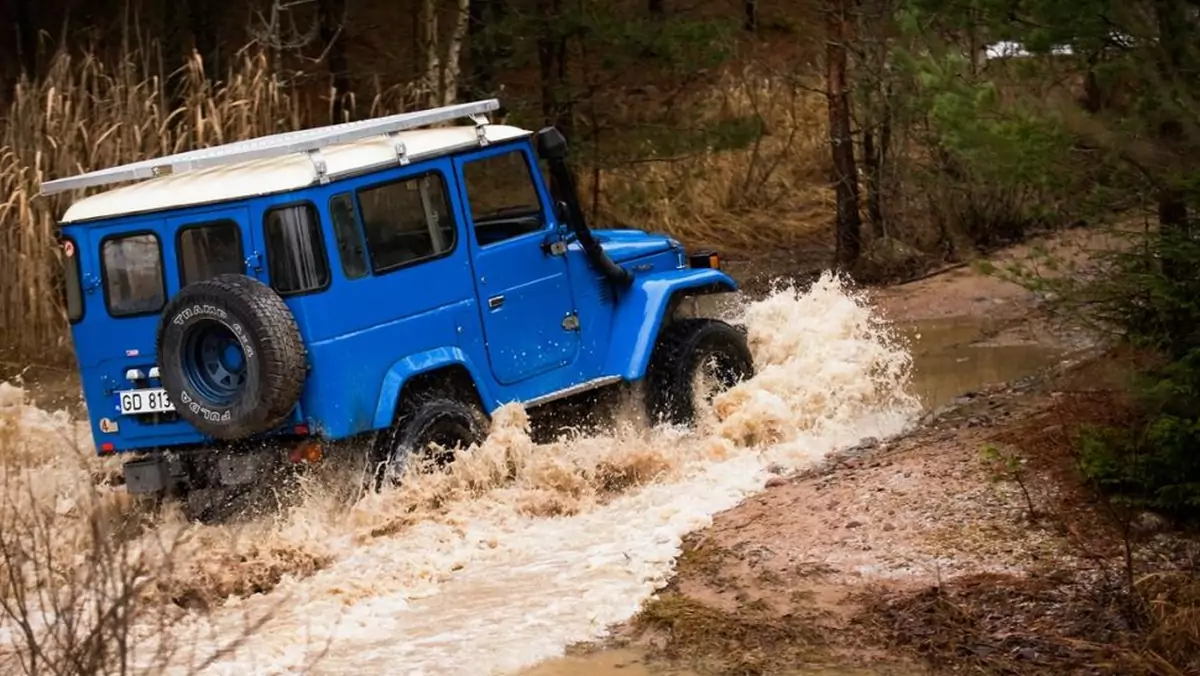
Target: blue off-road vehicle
[{"x": 393, "y": 279}]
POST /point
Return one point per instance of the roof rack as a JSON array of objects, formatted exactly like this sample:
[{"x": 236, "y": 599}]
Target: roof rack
[{"x": 306, "y": 140}]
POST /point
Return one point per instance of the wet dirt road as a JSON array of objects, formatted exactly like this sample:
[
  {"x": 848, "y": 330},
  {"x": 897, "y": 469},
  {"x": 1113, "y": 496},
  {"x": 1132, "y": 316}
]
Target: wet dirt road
[
  {"x": 951, "y": 356},
  {"x": 525, "y": 549}
]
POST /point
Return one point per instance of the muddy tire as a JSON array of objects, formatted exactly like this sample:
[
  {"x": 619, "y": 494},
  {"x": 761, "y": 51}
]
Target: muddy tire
[
  {"x": 231, "y": 357},
  {"x": 686, "y": 349},
  {"x": 426, "y": 424}
]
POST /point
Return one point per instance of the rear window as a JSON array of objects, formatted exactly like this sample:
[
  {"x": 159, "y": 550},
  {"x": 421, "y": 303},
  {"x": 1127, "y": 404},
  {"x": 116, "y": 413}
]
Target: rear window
[
  {"x": 208, "y": 250},
  {"x": 407, "y": 221},
  {"x": 72, "y": 285},
  {"x": 295, "y": 249},
  {"x": 133, "y": 274}
]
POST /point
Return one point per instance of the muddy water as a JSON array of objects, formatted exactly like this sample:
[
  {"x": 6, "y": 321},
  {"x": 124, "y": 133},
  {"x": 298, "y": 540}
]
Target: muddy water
[
  {"x": 950, "y": 357},
  {"x": 523, "y": 549},
  {"x": 953, "y": 356}
]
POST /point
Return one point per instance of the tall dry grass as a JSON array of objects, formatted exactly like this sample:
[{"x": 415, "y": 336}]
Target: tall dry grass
[
  {"x": 769, "y": 195},
  {"x": 86, "y": 114}
]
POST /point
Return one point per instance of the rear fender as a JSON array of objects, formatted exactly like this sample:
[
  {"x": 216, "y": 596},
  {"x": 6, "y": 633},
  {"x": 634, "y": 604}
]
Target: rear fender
[
  {"x": 416, "y": 364},
  {"x": 643, "y": 309}
]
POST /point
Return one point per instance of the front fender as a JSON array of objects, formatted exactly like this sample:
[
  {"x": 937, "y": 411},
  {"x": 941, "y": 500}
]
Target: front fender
[
  {"x": 641, "y": 312},
  {"x": 416, "y": 364}
]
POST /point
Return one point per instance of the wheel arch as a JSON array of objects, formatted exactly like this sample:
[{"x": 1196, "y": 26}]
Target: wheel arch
[
  {"x": 433, "y": 369},
  {"x": 646, "y": 308}
]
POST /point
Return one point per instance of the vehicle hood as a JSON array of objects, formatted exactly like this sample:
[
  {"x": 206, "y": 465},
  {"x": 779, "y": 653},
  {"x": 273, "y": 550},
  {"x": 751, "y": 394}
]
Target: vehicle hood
[{"x": 625, "y": 245}]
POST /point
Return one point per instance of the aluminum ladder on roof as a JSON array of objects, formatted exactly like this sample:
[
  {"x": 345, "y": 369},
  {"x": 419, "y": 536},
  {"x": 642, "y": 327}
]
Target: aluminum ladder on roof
[{"x": 303, "y": 141}]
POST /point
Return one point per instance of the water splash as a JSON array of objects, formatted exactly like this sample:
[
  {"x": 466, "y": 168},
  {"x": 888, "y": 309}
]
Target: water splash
[{"x": 524, "y": 548}]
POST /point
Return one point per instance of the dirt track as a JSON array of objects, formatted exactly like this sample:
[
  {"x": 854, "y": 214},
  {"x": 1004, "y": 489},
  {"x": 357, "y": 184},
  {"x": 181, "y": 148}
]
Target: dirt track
[{"x": 919, "y": 547}]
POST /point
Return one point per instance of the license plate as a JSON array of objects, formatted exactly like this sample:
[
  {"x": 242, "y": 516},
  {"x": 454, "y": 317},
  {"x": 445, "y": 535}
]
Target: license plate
[{"x": 149, "y": 400}]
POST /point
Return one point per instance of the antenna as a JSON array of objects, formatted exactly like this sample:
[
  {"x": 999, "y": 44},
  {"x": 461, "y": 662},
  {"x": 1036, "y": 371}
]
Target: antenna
[{"x": 302, "y": 141}]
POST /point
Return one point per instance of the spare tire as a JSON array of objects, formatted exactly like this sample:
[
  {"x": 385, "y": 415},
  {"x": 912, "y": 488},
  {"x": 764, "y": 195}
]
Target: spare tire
[{"x": 231, "y": 357}]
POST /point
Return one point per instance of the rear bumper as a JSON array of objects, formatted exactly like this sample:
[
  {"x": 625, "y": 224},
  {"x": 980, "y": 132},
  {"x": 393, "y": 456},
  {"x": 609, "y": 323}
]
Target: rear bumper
[
  {"x": 180, "y": 472},
  {"x": 155, "y": 473}
]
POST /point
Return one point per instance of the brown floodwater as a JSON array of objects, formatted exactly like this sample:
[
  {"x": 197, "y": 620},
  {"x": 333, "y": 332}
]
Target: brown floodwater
[
  {"x": 953, "y": 356},
  {"x": 524, "y": 547},
  {"x": 950, "y": 357}
]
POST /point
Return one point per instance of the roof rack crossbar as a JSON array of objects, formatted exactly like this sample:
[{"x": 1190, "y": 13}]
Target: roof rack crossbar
[{"x": 286, "y": 143}]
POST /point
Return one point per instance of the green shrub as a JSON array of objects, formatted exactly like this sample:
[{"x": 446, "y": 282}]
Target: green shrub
[{"x": 1152, "y": 296}]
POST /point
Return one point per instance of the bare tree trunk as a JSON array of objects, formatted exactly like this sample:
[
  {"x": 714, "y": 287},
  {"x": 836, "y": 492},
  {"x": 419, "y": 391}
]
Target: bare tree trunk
[
  {"x": 332, "y": 16},
  {"x": 552, "y": 68},
  {"x": 480, "y": 51},
  {"x": 872, "y": 165},
  {"x": 876, "y": 145},
  {"x": 431, "y": 63},
  {"x": 453, "y": 67},
  {"x": 1173, "y": 217},
  {"x": 849, "y": 221},
  {"x": 750, "y": 15}
]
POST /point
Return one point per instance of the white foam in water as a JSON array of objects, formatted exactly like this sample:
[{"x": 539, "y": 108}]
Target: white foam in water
[{"x": 480, "y": 577}]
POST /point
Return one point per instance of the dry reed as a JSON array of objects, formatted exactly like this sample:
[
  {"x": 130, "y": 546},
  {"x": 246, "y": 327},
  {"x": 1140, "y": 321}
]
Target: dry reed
[
  {"x": 772, "y": 194},
  {"x": 85, "y": 114}
]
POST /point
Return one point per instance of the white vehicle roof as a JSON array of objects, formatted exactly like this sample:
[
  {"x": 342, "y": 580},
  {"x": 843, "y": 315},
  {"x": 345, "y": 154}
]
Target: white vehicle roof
[{"x": 281, "y": 162}]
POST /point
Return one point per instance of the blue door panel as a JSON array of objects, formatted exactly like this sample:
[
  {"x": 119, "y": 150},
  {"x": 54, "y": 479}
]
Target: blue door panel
[
  {"x": 525, "y": 299},
  {"x": 524, "y": 290}
]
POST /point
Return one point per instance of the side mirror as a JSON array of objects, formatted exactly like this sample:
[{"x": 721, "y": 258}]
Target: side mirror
[{"x": 551, "y": 144}]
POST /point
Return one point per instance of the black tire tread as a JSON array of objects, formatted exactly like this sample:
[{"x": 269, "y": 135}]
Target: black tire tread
[
  {"x": 668, "y": 378},
  {"x": 417, "y": 406},
  {"x": 281, "y": 348}
]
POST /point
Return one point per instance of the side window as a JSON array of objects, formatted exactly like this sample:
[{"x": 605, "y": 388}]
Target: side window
[
  {"x": 407, "y": 221},
  {"x": 133, "y": 275},
  {"x": 295, "y": 249},
  {"x": 349, "y": 238},
  {"x": 73, "y": 286},
  {"x": 504, "y": 202},
  {"x": 209, "y": 250}
]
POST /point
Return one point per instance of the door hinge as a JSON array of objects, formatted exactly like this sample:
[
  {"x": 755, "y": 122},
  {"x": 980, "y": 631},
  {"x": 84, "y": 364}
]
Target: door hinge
[{"x": 570, "y": 322}]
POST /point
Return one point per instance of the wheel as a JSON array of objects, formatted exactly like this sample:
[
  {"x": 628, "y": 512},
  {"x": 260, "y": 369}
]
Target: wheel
[
  {"x": 433, "y": 430},
  {"x": 694, "y": 360},
  {"x": 231, "y": 356}
]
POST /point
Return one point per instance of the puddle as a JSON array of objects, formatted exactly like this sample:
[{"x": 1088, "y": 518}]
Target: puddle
[{"x": 953, "y": 356}]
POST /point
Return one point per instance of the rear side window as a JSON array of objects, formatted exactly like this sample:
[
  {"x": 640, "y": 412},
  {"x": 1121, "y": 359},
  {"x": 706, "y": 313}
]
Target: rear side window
[
  {"x": 72, "y": 285},
  {"x": 133, "y": 274},
  {"x": 209, "y": 250},
  {"x": 295, "y": 249},
  {"x": 349, "y": 238},
  {"x": 407, "y": 221}
]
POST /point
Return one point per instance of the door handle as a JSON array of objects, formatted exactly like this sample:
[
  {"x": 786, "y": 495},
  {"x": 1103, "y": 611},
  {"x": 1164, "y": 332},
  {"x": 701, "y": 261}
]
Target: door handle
[{"x": 496, "y": 301}]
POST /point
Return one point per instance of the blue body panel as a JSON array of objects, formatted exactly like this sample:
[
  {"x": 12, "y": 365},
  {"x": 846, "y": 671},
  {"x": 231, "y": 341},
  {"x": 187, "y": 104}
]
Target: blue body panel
[{"x": 367, "y": 336}]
